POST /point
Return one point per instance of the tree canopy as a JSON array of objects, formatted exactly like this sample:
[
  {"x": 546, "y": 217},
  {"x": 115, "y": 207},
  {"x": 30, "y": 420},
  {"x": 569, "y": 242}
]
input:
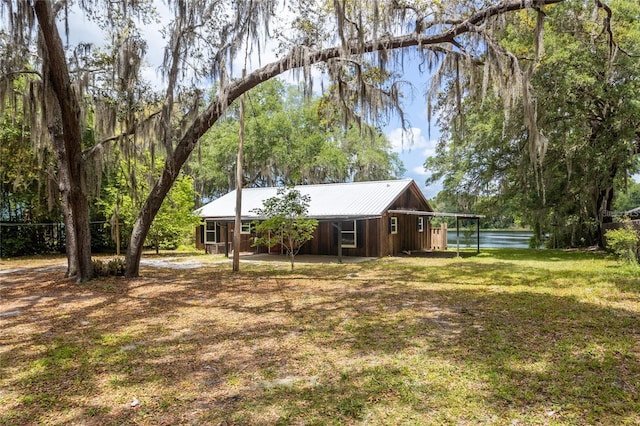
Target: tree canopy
[
  {"x": 74, "y": 86},
  {"x": 586, "y": 91},
  {"x": 289, "y": 140}
]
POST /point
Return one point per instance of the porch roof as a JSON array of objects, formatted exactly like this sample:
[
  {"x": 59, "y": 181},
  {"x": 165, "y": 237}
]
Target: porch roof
[{"x": 438, "y": 214}]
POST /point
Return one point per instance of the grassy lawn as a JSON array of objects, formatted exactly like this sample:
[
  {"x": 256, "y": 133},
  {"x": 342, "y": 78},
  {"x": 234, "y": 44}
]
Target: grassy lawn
[{"x": 509, "y": 337}]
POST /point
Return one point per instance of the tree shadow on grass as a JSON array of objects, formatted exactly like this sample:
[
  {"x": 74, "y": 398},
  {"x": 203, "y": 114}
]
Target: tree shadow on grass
[
  {"x": 524, "y": 356},
  {"x": 316, "y": 347}
]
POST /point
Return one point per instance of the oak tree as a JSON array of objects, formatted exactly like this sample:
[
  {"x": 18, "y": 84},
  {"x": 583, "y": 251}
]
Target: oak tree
[{"x": 359, "y": 45}]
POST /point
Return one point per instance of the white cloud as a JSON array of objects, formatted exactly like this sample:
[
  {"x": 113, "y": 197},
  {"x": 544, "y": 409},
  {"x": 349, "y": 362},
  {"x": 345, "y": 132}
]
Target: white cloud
[
  {"x": 420, "y": 171},
  {"x": 406, "y": 139},
  {"x": 409, "y": 140},
  {"x": 414, "y": 160}
]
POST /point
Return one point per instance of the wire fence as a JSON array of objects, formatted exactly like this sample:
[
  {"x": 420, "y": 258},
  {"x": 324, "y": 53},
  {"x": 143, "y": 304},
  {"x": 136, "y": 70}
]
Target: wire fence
[{"x": 23, "y": 239}]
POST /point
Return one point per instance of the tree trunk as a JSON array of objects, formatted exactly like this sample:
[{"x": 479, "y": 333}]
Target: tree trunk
[
  {"x": 237, "y": 228},
  {"x": 54, "y": 124},
  {"x": 148, "y": 212},
  {"x": 292, "y": 254},
  {"x": 57, "y": 75},
  {"x": 604, "y": 204},
  {"x": 600, "y": 136},
  {"x": 67, "y": 213}
]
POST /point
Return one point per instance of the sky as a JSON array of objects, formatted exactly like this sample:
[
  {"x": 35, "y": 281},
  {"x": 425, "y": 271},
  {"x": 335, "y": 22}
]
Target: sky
[
  {"x": 418, "y": 142},
  {"x": 413, "y": 145}
]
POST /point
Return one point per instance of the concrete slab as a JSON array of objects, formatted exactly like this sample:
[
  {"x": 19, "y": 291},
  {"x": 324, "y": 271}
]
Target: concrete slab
[{"x": 302, "y": 259}]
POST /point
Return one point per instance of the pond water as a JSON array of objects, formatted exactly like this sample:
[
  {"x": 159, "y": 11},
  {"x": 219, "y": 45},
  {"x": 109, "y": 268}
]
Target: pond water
[{"x": 491, "y": 239}]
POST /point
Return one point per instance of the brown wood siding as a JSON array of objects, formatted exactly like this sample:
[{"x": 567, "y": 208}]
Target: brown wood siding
[
  {"x": 384, "y": 236},
  {"x": 409, "y": 200},
  {"x": 373, "y": 238},
  {"x": 200, "y": 237},
  {"x": 408, "y": 237},
  {"x": 325, "y": 240},
  {"x": 372, "y": 235},
  {"x": 322, "y": 241},
  {"x": 393, "y": 240},
  {"x": 245, "y": 239}
]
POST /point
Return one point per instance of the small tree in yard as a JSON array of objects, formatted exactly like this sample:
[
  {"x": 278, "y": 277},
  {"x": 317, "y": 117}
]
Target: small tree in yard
[{"x": 285, "y": 216}]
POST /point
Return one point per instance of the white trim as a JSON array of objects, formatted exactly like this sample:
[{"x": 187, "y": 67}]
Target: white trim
[
  {"x": 420, "y": 223},
  {"x": 393, "y": 225},
  {"x": 355, "y": 236},
  {"x": 242, "y": 227},
  {"x": 208, "y": 231}
]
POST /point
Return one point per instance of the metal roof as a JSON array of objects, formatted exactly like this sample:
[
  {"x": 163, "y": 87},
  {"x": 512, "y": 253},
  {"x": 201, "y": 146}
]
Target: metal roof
[{"x": 335, "y": 200}]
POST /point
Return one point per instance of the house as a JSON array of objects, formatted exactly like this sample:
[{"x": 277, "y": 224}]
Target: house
[{"x": 371, "y": 219}]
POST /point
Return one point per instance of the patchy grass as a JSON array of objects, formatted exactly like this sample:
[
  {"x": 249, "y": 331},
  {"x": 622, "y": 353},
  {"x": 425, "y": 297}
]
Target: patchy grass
[{"x": 506, "y": 337}]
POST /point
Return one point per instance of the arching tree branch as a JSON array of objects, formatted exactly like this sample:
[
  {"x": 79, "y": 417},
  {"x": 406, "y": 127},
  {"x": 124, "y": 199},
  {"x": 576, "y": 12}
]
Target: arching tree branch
[{"x": 300, "y": 56}]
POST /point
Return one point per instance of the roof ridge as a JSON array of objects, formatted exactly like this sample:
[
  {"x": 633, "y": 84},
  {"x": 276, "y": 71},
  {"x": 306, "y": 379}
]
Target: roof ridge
[{"x": 364, "y": 182}]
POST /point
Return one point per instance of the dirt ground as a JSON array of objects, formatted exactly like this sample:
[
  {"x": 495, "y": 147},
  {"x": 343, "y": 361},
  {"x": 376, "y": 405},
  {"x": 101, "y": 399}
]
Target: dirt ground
[{"x": 188, "y": 332}]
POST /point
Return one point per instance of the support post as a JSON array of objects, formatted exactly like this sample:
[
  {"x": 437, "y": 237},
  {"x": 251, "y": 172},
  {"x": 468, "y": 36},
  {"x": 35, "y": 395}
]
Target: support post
[
  {"x": 226, "y": 240},
  {"x": 457, "y": 236},
  {"x": 478, "y": 231},
  {"x": 339, "y": 242}
]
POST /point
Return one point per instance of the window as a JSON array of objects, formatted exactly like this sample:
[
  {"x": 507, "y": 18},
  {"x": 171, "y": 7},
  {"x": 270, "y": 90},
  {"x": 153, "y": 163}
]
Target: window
[
  {"x": 393, "y": 225},
  {"x": 420, "y": 224},
  {"x": 349, "y": 237},
  {"x": 210, "y": 234},
  {"x": 245, "y": 228}
]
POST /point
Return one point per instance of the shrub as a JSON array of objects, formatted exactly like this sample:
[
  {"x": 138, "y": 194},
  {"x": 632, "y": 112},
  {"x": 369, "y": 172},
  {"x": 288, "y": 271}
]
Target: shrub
[
  {"x": 625, "y": 243},
  {"x": 99, "y": 268},
  {"x": 114, "y": 267}
]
